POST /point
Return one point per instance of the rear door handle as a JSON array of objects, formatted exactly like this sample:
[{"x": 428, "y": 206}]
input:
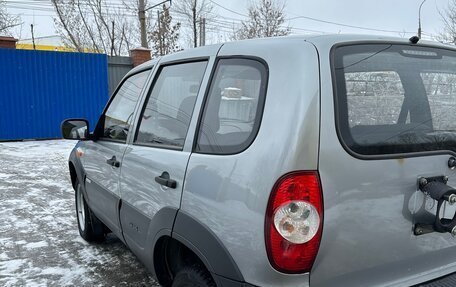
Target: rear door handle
[
  {"x": 113, "y": 161},
  {"x": 164, "y": 179}
]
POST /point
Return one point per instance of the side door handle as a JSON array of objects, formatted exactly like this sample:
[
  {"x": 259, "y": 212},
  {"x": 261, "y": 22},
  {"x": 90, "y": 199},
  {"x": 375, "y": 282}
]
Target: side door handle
[
  {"x": 113, "y": 161},
  {"x": 164, "y": 179}
]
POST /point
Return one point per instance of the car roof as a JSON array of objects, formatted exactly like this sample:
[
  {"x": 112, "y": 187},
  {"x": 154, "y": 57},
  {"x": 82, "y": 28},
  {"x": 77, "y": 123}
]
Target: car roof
[
  {"x": 317, "y": 40},
  {"x": 333, "y": 39}
]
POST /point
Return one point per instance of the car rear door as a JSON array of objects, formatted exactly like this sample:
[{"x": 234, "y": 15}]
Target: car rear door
[
  {"x": 154, "y": 165},
  {"x": 103, "y": 157},
  {"x": 389, "y": 124}
]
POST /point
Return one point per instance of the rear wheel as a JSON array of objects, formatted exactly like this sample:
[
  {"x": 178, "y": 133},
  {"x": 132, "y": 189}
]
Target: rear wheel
[
  {"x": 193, "y": 276},
  {"x": 90, "y": 227}
]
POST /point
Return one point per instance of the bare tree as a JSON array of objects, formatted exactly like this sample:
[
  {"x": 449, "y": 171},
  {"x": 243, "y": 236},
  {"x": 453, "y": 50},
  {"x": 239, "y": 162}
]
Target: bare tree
[
  {"x": 66, "y": 22},
  {"x": 266, "y": 19},
  {"x": 95, "y": 26},
  {"x": 448, "y": 16},
  {"x": 193, "y": 11},
  {"x": 7, "y": 21},
  {"x": 165, "y": 35}
]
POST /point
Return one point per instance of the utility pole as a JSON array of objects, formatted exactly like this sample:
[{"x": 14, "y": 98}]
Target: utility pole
[
  {"x": 112, "y": 39},
  {"x": 419, "y": 19},
  {"x": 142, "y": 19},
  {"x": 160, "y": 36},
  {"x": 202, "y": 31},
  {"x": 142, "y": 23},
  {"x": 33, "y": 36},
  {"x": 195, "y": 40}
]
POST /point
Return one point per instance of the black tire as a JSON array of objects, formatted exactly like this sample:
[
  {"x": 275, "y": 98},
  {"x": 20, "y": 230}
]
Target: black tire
[
  {"x": 90, "y": 227},
  {"x": 193, "y": 276}
]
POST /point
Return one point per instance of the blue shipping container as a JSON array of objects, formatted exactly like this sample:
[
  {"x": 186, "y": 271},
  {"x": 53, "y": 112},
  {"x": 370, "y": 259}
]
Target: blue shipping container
[{"x": 39, "y": 89}]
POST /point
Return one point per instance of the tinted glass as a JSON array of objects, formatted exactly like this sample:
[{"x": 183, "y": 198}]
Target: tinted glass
[
  {"x": 233, "y": 108},
  {"x": 395, "y": 99},
  {"x": 169, "y": 108},
  {"x": 366, "y": 91},
  {"x": 441, "y": 92},
  {"x": 119, "y": 115}
]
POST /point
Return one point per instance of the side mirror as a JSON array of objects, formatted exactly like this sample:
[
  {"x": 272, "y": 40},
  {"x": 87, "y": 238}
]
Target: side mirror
[{"x": 75, "y": 129}]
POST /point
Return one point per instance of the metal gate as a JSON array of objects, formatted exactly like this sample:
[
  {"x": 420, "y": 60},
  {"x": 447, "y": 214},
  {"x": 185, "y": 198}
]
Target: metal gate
[
  {"x": 39, "y": 89},
  {"x": 118, "y": 67}
]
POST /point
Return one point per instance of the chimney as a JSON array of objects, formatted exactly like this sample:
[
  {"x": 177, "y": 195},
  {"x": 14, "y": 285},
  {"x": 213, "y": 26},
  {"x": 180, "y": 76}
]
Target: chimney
[
  {"x": 8, "y": 42},
  {"x": 139, "y": 56}
]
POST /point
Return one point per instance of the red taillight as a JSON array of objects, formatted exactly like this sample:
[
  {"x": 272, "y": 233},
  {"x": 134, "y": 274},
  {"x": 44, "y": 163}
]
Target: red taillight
[{"x": 293, "y": 193}]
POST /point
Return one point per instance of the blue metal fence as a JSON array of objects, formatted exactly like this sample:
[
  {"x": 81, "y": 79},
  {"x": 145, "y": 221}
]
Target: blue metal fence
[{"x": 39, "y": 89}]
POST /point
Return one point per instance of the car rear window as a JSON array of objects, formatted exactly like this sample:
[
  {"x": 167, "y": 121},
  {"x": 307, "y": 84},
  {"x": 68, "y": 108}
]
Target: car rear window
[{"x": 395, "y": 99}]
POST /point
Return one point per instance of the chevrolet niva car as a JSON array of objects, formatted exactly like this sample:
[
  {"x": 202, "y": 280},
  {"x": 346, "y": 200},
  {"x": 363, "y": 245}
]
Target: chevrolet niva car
[{"x": 294, "y": 161}]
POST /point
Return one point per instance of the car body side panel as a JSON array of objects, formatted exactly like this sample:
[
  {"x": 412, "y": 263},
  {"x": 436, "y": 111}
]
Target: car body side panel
[
  {"x": 370, "y": 210},
  {"x": 142, "y": 196},
  {"x": 229, "y": 193},
  {"x": 102, "y": 181}
]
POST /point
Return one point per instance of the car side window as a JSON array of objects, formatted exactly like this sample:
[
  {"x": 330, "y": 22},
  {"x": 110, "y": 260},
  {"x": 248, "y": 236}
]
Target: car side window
[
  {"x": 119, "y": 115},
  {"x": 166, "y": 115},
  {"x": 233, "y": 107}
]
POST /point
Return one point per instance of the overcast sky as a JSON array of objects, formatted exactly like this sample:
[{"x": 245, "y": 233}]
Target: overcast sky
[{"x": 391, "y": 16}]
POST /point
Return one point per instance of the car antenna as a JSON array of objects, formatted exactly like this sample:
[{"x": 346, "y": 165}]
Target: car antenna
[{"x": 414, "y": 39}]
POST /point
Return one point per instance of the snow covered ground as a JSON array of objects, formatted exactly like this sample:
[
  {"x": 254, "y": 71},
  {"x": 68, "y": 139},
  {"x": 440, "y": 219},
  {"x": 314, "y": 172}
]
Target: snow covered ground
[{"x": 39, "y": 239}]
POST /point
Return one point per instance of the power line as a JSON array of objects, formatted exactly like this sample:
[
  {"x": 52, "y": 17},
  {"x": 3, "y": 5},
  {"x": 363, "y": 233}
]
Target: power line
[
  {"x": 222, "y": 21},
  {"x": 227, "y": 9},
  {"x": 346, "y": 25},
  {"x": 43, "y": 5},
  {"x": 318, "y": 20},
  {"x": 29, "y": 7}
]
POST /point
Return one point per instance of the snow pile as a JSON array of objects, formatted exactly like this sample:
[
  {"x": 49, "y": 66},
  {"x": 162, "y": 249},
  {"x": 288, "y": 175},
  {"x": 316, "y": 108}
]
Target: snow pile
[{"x": 39, "y": 240}]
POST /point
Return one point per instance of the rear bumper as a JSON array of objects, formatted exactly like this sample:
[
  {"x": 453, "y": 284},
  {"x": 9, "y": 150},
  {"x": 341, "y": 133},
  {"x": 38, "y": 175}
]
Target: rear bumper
[{"x": 445, "y": 281}]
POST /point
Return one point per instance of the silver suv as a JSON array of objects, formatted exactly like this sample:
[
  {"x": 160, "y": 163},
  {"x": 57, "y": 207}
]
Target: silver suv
[{"x": 296, "y": 161}]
